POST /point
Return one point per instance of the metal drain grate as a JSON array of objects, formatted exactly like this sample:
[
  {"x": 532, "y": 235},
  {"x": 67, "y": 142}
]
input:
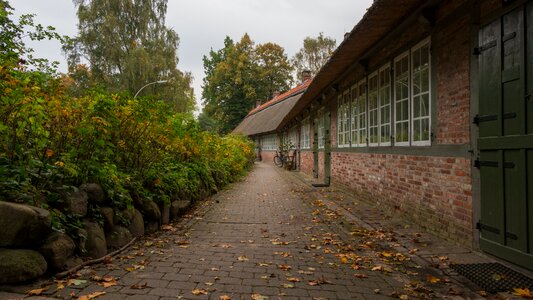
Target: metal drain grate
[{"x": 493, "y": 277}]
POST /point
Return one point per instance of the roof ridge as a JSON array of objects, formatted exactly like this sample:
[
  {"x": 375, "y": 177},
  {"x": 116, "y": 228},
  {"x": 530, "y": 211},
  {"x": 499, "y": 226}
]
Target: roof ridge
[{"x": 280, "y": 97}]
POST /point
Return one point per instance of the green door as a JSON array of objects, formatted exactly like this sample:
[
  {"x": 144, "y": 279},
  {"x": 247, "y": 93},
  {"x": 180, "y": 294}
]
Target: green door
[{"x": 506, "y": 136}]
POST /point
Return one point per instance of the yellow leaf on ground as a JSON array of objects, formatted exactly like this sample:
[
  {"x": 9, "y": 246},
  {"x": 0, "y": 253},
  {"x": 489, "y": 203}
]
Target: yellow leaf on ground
[
  {"x": 36, "y": 292},
  {"x": 293, "y": 279},
  {"x": 432, "y": 279},
  {"x": 91, "y": 296},
  {"x": 524, "y": 293},
  {"x": 224, "y": 297},
  {"x": 242, "y": 258},
  {"x": 259, "y": 297},
  {"x": 198, "y": 292}
]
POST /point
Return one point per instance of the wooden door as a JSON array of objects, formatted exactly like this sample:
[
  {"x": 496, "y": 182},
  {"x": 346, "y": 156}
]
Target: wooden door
[{"x": 505, "y": 141}]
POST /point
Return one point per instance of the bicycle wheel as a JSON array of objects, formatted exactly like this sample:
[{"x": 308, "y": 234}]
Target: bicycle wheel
[{"x": 277, "y": 161}]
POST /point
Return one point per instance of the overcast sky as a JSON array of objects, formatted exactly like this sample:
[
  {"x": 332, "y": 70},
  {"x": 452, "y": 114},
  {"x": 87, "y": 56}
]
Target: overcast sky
[{"x": 203, "y": 24}]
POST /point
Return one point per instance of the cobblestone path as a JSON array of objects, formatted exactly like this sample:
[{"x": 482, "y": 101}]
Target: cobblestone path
[{"x": 266, "y": 237}]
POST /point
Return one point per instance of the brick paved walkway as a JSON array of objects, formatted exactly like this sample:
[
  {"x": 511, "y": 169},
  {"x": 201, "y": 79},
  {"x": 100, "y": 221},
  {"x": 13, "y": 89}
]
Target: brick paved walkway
[{"x": 269, "y": 237}]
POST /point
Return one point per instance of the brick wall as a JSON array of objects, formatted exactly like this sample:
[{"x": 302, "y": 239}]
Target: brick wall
[
  {"x": 306, "y": 162},
  {"x": 434, "y": 192},
  {"x": 267, "y": 156},
  {"x": 452, "y": 56}
]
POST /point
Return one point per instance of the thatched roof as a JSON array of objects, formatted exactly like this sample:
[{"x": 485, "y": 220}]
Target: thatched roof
[
  {"x": 272, "y": 115},
  {"x": 380, "y": 20}
]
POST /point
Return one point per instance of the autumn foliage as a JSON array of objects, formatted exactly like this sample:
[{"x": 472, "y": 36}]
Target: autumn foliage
[{"x": 52, "y": 142}]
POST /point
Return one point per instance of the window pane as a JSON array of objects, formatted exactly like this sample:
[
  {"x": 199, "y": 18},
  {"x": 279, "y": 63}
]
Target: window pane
[
  {"x": 424, "y": 80},
  {"x": 424, "y": 105},
  {"x": 425, "y": 129},
  {"x": 416, "y": 107}
]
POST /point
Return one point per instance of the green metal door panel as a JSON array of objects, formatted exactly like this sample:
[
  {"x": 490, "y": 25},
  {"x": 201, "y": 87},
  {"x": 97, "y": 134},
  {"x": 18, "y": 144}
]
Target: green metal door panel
[
  {"x": 529, "y": 64},
  {"x": 530, "y": 197},
  {"x": 513, "y": 108},
  {"x": 512, "y": 78},
  {"x": 514, "y": 169},
  {"x": 492, "y": 217},
  {"x": 490, "y": 80}
]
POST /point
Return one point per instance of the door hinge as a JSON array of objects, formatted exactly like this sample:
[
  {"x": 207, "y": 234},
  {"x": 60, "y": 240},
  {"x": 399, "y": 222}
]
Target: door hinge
[
  {"x": 478, "y": 119},
  {"x": 509, "y": 115},
  {"x": 479, "y": 50},
  {"x": 483, "y": 227},
  {"x": 511, "y": 236},
  {"x": 491, "y": 163},
  {"x": 485, "y": 163}
]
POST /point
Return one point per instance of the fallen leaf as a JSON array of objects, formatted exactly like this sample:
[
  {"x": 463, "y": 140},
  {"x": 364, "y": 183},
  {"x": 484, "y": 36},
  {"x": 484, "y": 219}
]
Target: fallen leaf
[
  {"x": 76, "y": 282},
  {"x": 91, "y": 296},
  {"x": 107, "y": 284},
  {"x": 168, "y": 227},
  {"x": 360, "y": 276},
  {"x": 377, "y": 291},
  {"x": 224, "y": 297},
  {"x": 139, "y": 286},
  {"x": 198, "y": 292},
  {"x": 242, "y": 258},
  {"x": 524, "y": 293},
  {"x": 288, "y": 286},
  {"x": 209, "y": 283},
  {"x": 36, "y": 292},
  {"x": 293, "y": 279},
  {"x": 284, "y": 267},
  {"x": 432, "y": 279},
  {"x": 259, "y": 297}
]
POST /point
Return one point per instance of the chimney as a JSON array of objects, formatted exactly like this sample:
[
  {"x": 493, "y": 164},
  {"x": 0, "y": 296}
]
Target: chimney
[
  {"x": 306, "y": 75},
  {"x": 275, "y": 94}
]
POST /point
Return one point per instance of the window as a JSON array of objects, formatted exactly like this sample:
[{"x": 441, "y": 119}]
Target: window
[
  {"x": 361, "y": 116},
  {"x": 412, "y": 96},
  {"x": 343, "y": 119},
  {"x": 353, "y": 117},
  {"x": 401, "y": 99},
  {"x": 321, "y": 130},
  {"x": 293, "y": 138},
  {"x": 373, "y": 110},
  {"x": 420, "y": 89},
  {"x": 305, "y": 134},
  {"x": 384, "y": 106},
  {"x": 269, "y": 142}
]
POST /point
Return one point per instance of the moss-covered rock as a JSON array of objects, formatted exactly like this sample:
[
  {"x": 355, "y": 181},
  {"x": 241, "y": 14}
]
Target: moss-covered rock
[
  {"x": 57, "y": 249},
  {"x": 20, "y": 265},
  {"x": 23, "y": 226}
]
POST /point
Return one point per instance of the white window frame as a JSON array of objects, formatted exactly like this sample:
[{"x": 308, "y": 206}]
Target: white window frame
[
  {"x": 293, "y": 137},
  {"x": 354, "y": 132},
  {"x": 340, "y": 131},
  {"x": 423, "y": 43},
  {"x": 305, "y": 134},
  {"x": 375, "y": 109},
  {"x": 382, "y": 106},
  {"x": 269, "y": 142},
  {"x": 362, "y": 97},
  {"x": 321, "y": 129},
  {"x": 408, "y": 99},
  {"x": 343, "y": 119}
]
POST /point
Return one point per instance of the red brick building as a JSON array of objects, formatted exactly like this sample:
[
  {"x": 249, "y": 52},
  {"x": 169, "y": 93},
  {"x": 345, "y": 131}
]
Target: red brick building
[{"x": 426, "y": 109}]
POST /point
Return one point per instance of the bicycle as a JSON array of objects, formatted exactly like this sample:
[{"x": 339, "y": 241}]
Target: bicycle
[{"x": 280, "y": 159}]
